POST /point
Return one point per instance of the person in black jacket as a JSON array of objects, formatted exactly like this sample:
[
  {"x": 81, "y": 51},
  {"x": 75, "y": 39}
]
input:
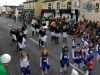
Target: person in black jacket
[
  {"x": 57, "y": 34},
  {"x": 24, "y": 31},
  {"x": 20, "y": 42},
  {"x": 13, "y": 34},
  {"x": 52, "y": 29},
  {"x": 33, "y": 28},
  {"x": 41, "y": 35},
  {"x": 17, "y": 36}
]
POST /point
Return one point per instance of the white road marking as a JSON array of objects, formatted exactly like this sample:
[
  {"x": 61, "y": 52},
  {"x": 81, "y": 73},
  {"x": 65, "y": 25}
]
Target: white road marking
[
  {"x": 9, "y": 25},
  {"x": 70, "y": 63},
  {"x": 4, "y": 22}
]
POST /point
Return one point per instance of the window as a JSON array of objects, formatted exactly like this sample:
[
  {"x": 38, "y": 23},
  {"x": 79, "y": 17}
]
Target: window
[
  {"x": 49, "y": 6},
  {"x": 58, "y": 5},
  {"x": 68, "y": 5},
  {"x": 97, "y": 7}
]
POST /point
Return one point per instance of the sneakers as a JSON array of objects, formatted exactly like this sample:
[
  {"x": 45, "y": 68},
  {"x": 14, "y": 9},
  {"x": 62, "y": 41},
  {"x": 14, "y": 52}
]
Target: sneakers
[
  {"x": 60, "y": 73},
  {"x": 42, "y": 46},
  {"x": 66, "y": 72}
]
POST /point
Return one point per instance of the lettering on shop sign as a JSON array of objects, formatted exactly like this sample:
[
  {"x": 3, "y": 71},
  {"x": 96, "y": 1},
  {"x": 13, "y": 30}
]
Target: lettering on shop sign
[{"x": 88, "y": 6}]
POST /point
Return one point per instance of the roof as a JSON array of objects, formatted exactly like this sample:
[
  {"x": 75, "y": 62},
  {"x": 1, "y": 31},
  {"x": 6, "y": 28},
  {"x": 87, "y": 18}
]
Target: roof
[
  {"x": 30, "y": 1},
  {"x": 49, "y": 0},
  {"x": 20, "y": 7},
  {"x": 9, "y": 6}
]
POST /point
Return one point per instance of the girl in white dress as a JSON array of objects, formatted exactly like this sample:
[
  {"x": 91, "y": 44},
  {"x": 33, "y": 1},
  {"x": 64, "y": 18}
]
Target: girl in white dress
[{"x": 24, "y": 63}]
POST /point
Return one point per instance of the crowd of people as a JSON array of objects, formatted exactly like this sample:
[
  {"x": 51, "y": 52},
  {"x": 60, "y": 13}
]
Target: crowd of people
[{"x": 82, "y": 55}]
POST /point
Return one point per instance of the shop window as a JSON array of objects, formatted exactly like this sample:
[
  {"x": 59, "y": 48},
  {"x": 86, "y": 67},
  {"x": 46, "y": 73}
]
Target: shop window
[
  {"x": 97, "y": 7},
  {"x": 58, "y": 5},
  {"x": 49, "y": 6}
]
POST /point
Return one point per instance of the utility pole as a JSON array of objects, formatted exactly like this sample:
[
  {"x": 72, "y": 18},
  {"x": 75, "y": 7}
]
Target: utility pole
[{"x": 6, "y": 6}]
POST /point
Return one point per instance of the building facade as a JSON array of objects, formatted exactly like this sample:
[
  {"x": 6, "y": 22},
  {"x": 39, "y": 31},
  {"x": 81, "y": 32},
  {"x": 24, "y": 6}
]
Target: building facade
[
  {"x": 33, "y": 7},
  {"x": 73, "y": 9}
]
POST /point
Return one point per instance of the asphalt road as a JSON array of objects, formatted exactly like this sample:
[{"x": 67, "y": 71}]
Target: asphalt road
[{"x": 13, "y": 68}]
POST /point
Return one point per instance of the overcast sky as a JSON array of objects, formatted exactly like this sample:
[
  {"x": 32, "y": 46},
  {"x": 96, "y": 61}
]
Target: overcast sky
[{"x": 11, "y": 2}]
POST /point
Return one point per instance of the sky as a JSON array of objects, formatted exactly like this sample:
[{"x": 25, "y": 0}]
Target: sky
[{"x": 11, "y": 2}]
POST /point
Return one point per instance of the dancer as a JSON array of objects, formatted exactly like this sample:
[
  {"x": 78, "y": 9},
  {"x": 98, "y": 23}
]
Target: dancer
[
  {"x": 98, "y": 50},
  {"x": 42, "y": 37},
  {"x": 44, "y": 24},
  {"x": 57, "y": 35},
  {"x": 24, "y": 63},
  {"x": 64, "y": 34},
  {"x": 21, "y": 41},
  {"x": 90, "y": 52},
  {"x": 77, "y": 56},
  {"x": 33, "y": 28},
  {"x": 37, "y": 28},
  {"x": 44, "y": 64},
  {"x": 24, "y": 31},
  {"x": 85, "y": 37},
  {"x": 73, "y": 44},
  {"x": 89, "y": 68},
  {"x": 52, "y": 29},
  {"x": 13, "y": 34},
  {"x": 64, "y": 59}
]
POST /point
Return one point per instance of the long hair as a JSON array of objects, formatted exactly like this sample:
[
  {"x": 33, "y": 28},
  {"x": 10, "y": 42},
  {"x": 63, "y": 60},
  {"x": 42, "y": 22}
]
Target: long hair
[
  {"x": 47, "y": 53},
  {"x": 21, "y": 56},
  {"x": 63, "y": 49}
]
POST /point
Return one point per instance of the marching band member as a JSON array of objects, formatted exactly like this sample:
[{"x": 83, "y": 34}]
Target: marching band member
[
  {"x": 64, "y": 34},
  {"x": 64, "y": 59},
  {"x": 44, "y": 64},
  {"x": 21, "y": 41},
  {"x": 57, "y": 35},
  {"x": 73, "y": 44},
  {"x": 89, "y": 68},
  {"x": 42, "y": 37},
  {"x": 85, "y": 37},
  {"x": 33, "y": 28},
  {"x": 13, "y": 34},
  {"x": 77, "y": 56},
  {"x": 37, "y": 28},
  {"x": 98, "y": 50},
  {"x": 24, "y": 63},
  {"x": 52, "y": 29}
]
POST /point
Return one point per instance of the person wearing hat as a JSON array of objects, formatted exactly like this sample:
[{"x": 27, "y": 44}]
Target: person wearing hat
[
  {"x": 89, "y": 68},
  {"x": 64, "y": 59}
]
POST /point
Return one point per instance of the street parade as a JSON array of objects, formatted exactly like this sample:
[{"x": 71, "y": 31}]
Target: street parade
[
  {"x": 82, "y": 55},
  {"x": 49, "y": 45}
]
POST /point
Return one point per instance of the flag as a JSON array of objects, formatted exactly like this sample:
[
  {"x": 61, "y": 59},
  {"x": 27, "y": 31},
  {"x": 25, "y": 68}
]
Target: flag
[{"x": 2, "y": 70}]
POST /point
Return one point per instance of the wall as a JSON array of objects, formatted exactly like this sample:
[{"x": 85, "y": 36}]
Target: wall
[
  {"x": 29, "y": 5},
  {"x": 94, "y": 16},
  {"x": 38, "y": 8}
]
